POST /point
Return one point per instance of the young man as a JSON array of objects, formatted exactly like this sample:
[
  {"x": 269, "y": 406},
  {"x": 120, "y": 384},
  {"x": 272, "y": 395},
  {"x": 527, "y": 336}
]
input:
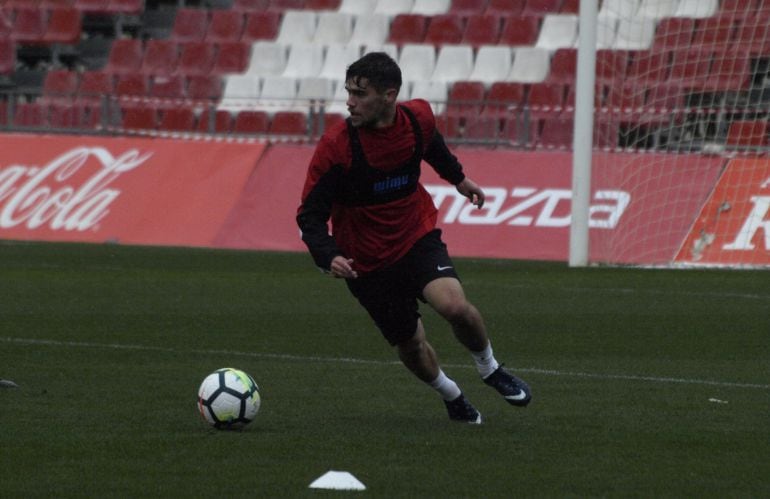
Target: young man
[{"x": 364, "y": 175}]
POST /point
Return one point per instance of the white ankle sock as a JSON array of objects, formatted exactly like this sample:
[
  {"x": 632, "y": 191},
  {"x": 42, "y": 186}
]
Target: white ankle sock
[
  {"x": 485, "y": 361},
  {"x": 447, "y": 388}
]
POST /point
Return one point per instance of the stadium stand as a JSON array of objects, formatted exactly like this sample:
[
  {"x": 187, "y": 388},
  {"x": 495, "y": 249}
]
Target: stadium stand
[{"x": 488, "y": 66}]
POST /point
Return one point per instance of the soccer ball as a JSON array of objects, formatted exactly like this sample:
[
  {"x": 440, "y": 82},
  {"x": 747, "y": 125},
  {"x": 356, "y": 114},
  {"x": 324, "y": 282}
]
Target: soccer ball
[{"x": 228, "y": 399}]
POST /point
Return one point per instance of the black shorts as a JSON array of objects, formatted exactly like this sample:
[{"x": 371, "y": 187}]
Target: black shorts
[{"x": 390, "y": 295}]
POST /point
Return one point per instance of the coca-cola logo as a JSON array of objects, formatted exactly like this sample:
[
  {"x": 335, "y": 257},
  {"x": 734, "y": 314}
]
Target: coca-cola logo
[{"x": 36, "y": 196}]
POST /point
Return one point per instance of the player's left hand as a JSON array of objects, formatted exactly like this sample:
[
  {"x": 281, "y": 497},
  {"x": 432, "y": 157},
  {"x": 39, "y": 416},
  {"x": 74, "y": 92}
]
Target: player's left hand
[{"x": 472, "y": 191}]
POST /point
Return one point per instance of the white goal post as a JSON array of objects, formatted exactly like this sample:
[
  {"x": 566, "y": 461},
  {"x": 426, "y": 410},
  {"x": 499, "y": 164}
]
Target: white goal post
[{"x": 672, "y": 110}]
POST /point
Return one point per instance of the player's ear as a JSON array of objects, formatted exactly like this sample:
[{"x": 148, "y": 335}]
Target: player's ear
[{"x": 391, "y": 95}]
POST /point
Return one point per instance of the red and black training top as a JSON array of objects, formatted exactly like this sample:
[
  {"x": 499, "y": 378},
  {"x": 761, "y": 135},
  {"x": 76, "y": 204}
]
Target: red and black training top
[{"x": 367, "y": 182}]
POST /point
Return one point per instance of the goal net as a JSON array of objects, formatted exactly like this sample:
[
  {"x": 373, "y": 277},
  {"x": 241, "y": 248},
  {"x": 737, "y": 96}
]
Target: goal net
[{"x": 681, "y": 129}]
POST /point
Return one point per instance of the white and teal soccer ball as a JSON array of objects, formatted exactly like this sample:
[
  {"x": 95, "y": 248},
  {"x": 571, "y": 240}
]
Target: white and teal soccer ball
[{"x": 228, "y": 399}]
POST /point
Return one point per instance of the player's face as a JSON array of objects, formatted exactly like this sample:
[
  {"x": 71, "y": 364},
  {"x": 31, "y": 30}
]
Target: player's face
[{"x": 367, "y": 106}]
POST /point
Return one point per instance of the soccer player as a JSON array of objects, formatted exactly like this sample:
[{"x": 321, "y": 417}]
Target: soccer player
[{"x": 364, "y": 175}]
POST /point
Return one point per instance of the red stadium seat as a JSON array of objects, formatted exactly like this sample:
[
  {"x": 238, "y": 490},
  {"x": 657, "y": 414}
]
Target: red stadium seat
[
  {"x": 673, "y": 33},
  {"x": 465, "y": 99},
  {"x": 611, "y": 64},
  {"x": 748, "y": 133},
  {"x": 140, "y": 118},
  {"x": 730, "y": 70},
  {"x": 689, "y": 65},
  {"x": 322, "y": 4},
  {"x": 505, "y": 8},
  {"x": 502, "y": 97},
  {"x": 222, "y": 121},
  {"x": 125, "y": 56},
  {"x": 467, "y": 8},
  {"x": 570, "y": 7},
  {"x": 30, "y": 114},
  {"x": 649, "y": 67},
  {"x": 207, "y": 87},
  {"x": 226, "y": 26},
  {"x": 541, "y": 7},
  {"x": 190, "y": 25},
  {"x": 546, "y": 100},
  {"x": 232, "y": 57},
  {"x": 160, "y": 57},
  {"x": 197, "y": 58},
  {"x": 251, "y": 122},
  {"x": 65, "y": 25},
  {"x": 180, "y": 119},
  {"x": 556, "y": 134},
  {"x": 7, "y": 56},
  {"x": 482, "y": 29},
  {"x": 28, "y": 25},
  {"x": 132, "y": 85},
  {"x": 247, "y": 6},
  {"x": 67, "y": 115},
  {"x": 563, "y": 66},
  {"x": 60, "y": 84},
  {"x": 407, "y": 28},
  {"x": 126, "y": 6},
  {"x": 714, "y": 32},
  {"x": 94, "y": 85},
  {"x": 56, "y": 4},
  {"x": 289, "y": 123},
  {"x": 520, "y": 30},
  {"x": 261, "y": 26},
  {"x": 444, "y": 29},
  {"x": 168, "y": 87},
  {"x": 283, "y": 5}
]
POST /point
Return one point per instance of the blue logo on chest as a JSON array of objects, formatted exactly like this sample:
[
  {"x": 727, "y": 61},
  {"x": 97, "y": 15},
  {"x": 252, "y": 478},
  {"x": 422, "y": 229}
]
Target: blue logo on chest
[{"x": 391, "y": 184}]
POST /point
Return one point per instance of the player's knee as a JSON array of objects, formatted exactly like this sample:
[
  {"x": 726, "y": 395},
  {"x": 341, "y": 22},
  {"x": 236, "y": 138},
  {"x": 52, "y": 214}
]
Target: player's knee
[{"x": 455, "y": 310}]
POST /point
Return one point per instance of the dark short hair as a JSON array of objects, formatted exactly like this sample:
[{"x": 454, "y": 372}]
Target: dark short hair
[{"x": 380, "y": 70}]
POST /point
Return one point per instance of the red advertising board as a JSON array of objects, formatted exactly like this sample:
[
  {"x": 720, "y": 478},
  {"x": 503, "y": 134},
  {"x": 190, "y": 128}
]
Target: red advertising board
[
  {"x": 527, "y": 213},
  {"x": 129, "y": 190},
  {"x": 733, "y": 228}
]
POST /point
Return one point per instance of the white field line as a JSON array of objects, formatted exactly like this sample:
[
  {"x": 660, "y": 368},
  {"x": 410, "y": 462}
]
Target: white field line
[{"x": 349, "y": 360}]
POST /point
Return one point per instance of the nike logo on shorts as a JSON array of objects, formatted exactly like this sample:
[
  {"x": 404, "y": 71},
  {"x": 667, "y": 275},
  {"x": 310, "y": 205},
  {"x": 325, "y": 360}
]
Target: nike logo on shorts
[{"x": 441, "y": 269}]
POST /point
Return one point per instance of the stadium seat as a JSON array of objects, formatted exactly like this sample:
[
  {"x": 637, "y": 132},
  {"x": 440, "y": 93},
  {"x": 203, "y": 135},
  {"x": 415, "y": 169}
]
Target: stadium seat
[
  {"x": 444, "y": 29},
  {"x": 467, "y": 8},
  {"x": 657, "y": 9},
  {"x": 160, "y": 57},
  {"x": 305, "y": 59},
  {"x": 55, "y": 4},
  {"x": 454, "y": 62},
  {"x": 504, "y": 8},
  {"x": 606, "y": 32},
  {"x": 393, "y": 8},
  {"x": 297, "y": 26},
  {"x": 558, "y": 31},
  {"x": 208, "y": 87},
  {"x": 530, "y": 65},
  {"x": 623, "y": 9},
  {"x": 492, "y": 63},
  {"x": 358, "y": 7},
  {"x": 30, "y": 114},
  {"x": 330, "y": 120},
  {"x": 556, "y": 134},
  {"x": 748, "y": 133},
  {"x": 611, "y": 64},
  {"x": 407, "y": 28},
  {"x": 333, "y": 27},
  {"x": 689, "y": 66},
  {"x": 132, "y": 85},
  {"x": 570, "y": 7},
  {"x": 563, "y": 66},
  {"x": 279, "y": 93},
  {"x": 289, "y": 123},
  {"x": 179, "y": 119},
  {"x": 542, "y": 7},
  {"x": 649, "y": 67},
  {"x": 730, "y": 70},
  {"x": 323, "y": 4},
  {"x": 546, "y": 100},
  {"x": 7, "y": 56},
  {"x": 232, "y": 57},
  {"x": 215, "y": 121},
  {"x": 754, "y": 37},
  {"x": 140, "y": 118},
  {"x": 168, "y": 86},
  {"x": 125, "y": 56},
  {"x": 636, "y": 33},
  {"x": 67, "y": 115},
  {"x": 624, "y": 99},
  {"x": 338, "y": 58},
  {"x": 520, "y": 30},
  {"x": 673, "y": 33},
  {"x": 225, "y": 26},
  {"x": 60, "y": 84},
  {"x": 433, "y": 91},
  {"x": 417, "y": 61},
  {"x": 431, "y": 7},
  {"x": 261, "y": 26},
  {"x": 502, "y": 98},
  {"x": 64, "y": 26},
  {"x": 249, "y": 6},
  {"x": 28, "y": 25},
  {"x": 315, "y": 89},
  {"x": 482, "y": 29},
  {"x": 196, "y": 58},
  {"x": 696, "y": 8},
  {"x": 132, "y": 7},
  {"x": 714, "y": 32},
  {"x": 267, "y": 58},
  {"x": 284, "y": 5},
  {"x": 94, "y": 85},
  {"x": 240, "y": 92},
  {"x": 190, "y": 25},
  {"x": 251, "y": 122},
  {"x": 465, "y": 99},
  {"x": 370, "y": 29}
]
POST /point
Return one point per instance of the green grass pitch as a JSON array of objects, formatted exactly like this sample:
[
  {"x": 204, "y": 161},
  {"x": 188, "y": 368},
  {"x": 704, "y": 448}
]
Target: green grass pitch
[{"x": 646, "y": 383}]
